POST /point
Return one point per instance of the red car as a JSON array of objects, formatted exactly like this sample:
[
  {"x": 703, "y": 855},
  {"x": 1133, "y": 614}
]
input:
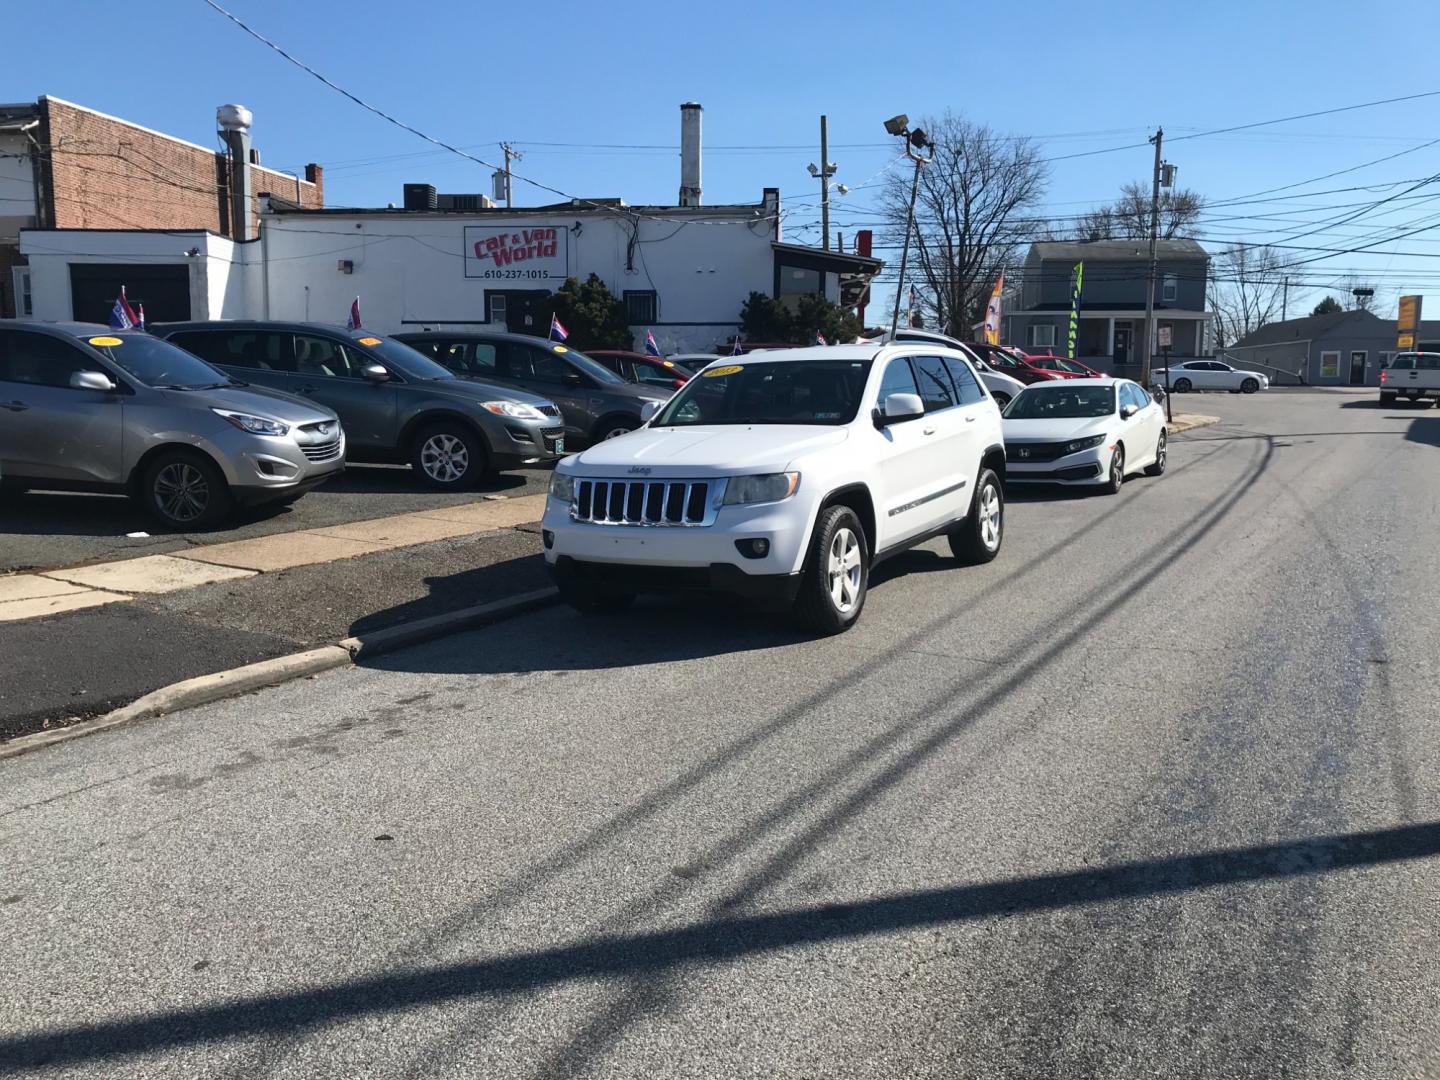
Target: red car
[
  {"x": 1012, "y": 362},
  {"x": 1066, "y": 369},
  {"x": 643, "y": 368}
]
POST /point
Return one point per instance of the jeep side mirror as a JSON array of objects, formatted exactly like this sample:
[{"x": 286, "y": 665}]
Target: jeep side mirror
[
  {"x": 648, "y": 411},
  {"x": 898, "y": 408},
  {"x": 91, "y": 380}
]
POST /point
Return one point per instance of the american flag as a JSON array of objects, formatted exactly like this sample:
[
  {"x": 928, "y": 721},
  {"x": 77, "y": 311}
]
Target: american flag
[
  {"x": 353, "y": 323},
  {"x": 651, "y": 348},
  {"x": 820, "y": 338}
]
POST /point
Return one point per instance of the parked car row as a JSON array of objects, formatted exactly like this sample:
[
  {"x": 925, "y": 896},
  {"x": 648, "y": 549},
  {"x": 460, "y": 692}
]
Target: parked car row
[
  {"x": 194, "y": 418},
  {"x": 785, "y": 476}
]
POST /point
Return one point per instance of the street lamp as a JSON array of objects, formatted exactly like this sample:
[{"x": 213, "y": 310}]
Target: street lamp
[{"x": 915, "y": 140}]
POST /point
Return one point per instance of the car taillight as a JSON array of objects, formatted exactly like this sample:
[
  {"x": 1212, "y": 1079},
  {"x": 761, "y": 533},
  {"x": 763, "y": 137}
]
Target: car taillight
[{"x": 1382, "y": 377}]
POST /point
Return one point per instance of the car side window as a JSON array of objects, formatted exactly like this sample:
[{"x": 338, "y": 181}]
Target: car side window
[
  {"x": 320, "y": 357},
  {"x": 537, "y": 364},
  {"x": 936, "y": 389},
  {"x": 966, "y": 387},
  {"x": 1141, "y": 395},
  {"x": 41, "y": 360},
  {"x": 899, "y": 379},
  {"x": 465, "y": 357},
  {"x": 258, "y": 351},
  {"x": 1402, "y": 363},
  {"x": 1128, "y": 397}
]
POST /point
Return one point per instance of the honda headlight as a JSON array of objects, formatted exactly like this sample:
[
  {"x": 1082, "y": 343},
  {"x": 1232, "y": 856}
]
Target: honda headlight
[
  {"x": 562, "y": 486},
  {"x": 255, "y": 425},
  {"x": 1084, "y": 444},
  {"x": 516, "y": 410},
  {"x": 745, "y": 490}
]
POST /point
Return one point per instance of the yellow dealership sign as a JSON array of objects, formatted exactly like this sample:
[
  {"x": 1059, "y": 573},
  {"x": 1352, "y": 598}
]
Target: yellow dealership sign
[{"x": 1408, "y": 325}]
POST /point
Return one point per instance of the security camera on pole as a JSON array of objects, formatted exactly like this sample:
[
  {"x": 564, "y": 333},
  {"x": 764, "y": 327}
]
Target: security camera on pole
[{"x": 914, "y": 140}]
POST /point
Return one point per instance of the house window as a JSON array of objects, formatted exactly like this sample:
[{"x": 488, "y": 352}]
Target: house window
[
  {"x": 497, "y": 308},
  {"x": 641, "y": 307},
  {"x": 798, "y": 281},
  {"x": 1170, "y": 290},
  {"x": 24, "y": 305},
  {"x": 1042, "y": 335}
]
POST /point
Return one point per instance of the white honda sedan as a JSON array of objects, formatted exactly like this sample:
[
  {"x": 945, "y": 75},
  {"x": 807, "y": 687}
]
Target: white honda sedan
[
  {"x": 1083, "y": 432},
  {"x": 1211, "y": 375}
]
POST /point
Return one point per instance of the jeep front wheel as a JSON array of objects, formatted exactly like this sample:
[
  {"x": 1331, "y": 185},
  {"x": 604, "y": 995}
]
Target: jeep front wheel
[{"x": 837, "y": 573}]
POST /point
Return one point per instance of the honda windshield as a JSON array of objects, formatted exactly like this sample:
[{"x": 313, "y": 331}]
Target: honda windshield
[
  {"x": 825, "y": 392},
  {"x": 1059, "y": 401}
]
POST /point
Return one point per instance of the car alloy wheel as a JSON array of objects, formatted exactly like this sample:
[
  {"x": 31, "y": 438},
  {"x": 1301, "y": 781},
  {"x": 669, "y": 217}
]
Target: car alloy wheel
[
  {"x": 1249, "y": 386},
  {"x": 1157, "y": 467},
  {"x": 1117, "y": 470},
  {"x": 990, "y": 510},
  {"x": 1182, "y": 386},
  {"x": 843, "y": 570},
  {"x": 444, "y": 458},
  {"x": 615, "y": 433},
  {"x": 182, "y": 492}
]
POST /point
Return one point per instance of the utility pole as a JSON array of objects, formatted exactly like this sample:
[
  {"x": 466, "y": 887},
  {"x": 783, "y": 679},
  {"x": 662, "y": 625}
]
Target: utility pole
[
  {"x": 1285, "y": 301},
  {"x": 1145, "y": 363},
  {"x": 824, "y": 185},
  {"x": 509, "y": 154}
]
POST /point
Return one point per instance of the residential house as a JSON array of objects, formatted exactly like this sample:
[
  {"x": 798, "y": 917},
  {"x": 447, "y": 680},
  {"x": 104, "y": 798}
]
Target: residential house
[
  {"x": 1112, "y": 300},
  {"x": 1343, "y": 348}
]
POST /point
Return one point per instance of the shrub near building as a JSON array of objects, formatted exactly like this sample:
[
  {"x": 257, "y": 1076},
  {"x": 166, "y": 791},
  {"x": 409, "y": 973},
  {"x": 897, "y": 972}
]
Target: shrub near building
[
  {"x": 592, "y": 314},
  {"x": 763, "y": 318}
]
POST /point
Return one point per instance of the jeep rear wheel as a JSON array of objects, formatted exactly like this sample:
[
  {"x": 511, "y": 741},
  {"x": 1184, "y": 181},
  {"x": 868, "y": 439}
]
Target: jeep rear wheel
[{"x": 837, "y": 573}]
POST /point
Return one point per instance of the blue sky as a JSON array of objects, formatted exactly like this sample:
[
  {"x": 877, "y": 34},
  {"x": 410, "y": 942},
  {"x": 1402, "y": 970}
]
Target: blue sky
[{"x": 596, "y": 76}]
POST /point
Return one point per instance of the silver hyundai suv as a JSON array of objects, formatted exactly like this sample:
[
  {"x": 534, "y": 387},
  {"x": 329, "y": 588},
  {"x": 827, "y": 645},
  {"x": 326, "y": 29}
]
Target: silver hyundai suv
[{"x": 86, "y": 408}]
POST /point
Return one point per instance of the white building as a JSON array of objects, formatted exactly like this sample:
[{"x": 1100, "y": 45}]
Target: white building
[{"x": 452, "y": 261}]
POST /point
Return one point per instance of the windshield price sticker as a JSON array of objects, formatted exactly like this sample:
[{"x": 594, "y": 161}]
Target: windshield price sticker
[
  {"x": 106, "y": 342},
  {"x": 369, "y": 341},
  {"x": 728, "y": 369}
]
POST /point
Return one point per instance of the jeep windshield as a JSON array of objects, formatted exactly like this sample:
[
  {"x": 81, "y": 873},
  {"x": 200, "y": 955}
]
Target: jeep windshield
[{"x": 826, "y": 392}]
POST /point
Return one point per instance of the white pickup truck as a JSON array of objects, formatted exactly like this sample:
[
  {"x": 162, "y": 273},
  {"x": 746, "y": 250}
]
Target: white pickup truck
[{"x": 1413, "y": 376}]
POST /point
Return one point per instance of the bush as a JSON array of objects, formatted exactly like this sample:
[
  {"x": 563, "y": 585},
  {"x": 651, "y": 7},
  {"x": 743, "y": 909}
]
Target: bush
[
  {"x": 592, "y": 314},
  {"x": 763, "y": 318}
]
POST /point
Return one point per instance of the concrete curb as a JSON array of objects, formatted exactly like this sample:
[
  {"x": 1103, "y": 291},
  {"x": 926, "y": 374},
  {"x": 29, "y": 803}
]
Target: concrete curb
[
  {"x": 1189, "y": 422},
  {"x": 205, "y": 689}
]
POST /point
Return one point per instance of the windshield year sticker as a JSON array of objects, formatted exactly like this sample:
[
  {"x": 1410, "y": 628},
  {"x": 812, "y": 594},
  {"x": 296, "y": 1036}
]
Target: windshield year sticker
[
  {"x": 369, "y": 341},
  {"x": 728, "y": 369},
  {"x": 106, "y": 341}
]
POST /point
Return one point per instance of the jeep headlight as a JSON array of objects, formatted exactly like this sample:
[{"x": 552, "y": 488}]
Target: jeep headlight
[
  {"x": 562, "y": 486},
  {"x": 773, "y": 487},
  {"x": 1084, "y": 444}
]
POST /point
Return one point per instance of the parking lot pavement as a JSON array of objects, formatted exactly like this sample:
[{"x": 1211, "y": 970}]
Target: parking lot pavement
[
  {"x": 41, "y": 530},
  {"x": 1156, "y": 793}
]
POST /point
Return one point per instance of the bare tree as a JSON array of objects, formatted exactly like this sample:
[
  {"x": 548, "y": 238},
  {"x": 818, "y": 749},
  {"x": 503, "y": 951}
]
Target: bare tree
[
  {"x": 1249, "y": 292},
  {"x": 1128, "y": 217},
  {"x": 971, "y": 216}
]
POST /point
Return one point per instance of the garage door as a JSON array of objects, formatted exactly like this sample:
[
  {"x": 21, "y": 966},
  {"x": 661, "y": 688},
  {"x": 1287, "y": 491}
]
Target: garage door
[{"x": 164, "y": 290}]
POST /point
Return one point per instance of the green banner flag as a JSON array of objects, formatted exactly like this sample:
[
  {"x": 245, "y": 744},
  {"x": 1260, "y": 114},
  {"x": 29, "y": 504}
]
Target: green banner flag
[{"x": 1075, "y": 310}]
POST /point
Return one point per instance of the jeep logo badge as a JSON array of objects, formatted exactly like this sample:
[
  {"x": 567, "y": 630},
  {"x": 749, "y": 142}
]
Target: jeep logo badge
[{"x": 639, "y": 470}]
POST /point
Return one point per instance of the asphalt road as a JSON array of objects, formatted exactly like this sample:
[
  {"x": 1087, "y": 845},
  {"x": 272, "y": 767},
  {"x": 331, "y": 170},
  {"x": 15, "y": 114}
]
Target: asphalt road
[
  {"x": 44, "y": 530},
  {"x": 1155, "y": 794}
]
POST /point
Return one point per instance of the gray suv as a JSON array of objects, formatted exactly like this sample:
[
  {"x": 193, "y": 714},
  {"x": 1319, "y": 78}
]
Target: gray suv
[
  {"x": 396, "y": 405},
  {"x": 86, "y": 408},
  {"x": 597, "y": 403}
]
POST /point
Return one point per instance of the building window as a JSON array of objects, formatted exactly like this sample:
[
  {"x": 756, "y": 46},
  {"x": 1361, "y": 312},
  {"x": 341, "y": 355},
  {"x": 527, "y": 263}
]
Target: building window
[
  {"x": 1042, "y": 335},
  {"x": 1170, "y": 290},
  {"x": 642, "y": 307},
  {"x": 497, "y": 308},
  {"x": 797, "y": 281},
  {"x": 24, "y": 304}
]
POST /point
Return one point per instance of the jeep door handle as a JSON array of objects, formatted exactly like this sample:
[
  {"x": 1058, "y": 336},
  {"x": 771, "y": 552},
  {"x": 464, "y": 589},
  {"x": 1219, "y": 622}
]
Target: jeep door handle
[
  {"x": 969, "y": 419},
  {"x": 928, "y": 431},
  {"x": 14, "y": 406}
]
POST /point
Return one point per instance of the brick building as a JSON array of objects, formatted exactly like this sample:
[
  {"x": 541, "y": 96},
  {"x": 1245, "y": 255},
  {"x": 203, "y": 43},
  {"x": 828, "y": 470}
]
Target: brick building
[{"x": 63, "y": 167}]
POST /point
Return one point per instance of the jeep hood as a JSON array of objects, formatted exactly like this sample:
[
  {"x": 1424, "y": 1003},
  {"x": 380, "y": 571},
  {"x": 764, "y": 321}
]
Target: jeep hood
[{"x": 704, "y": 450}]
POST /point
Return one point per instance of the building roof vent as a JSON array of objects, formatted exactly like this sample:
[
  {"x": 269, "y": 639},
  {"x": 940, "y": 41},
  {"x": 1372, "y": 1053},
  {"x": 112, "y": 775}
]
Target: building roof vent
[{"x": 233, "y": 118}]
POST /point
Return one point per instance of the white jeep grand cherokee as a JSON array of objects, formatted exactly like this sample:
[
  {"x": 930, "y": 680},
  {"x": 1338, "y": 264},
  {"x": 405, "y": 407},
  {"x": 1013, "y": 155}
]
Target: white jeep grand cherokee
[{"x": 784, "y": 476}]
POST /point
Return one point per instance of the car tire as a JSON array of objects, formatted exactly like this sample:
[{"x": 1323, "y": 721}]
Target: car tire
[
  {"x": 977, "y": 539},
  {"x": 612, "y": 427},
  {"x": 184, "y": 490},
  {"x": 1157, "y": 467},
  {"x": 1249, "y": 386},
  {"x": 1116, "y": 480},
  {"x": 836, "y": 577},
  {"x": 590, "y": 599},
  {"x": 1182, "y": 386},
  {"x": 448, "y": 456},
  {"x": 1387, "y": 399}
]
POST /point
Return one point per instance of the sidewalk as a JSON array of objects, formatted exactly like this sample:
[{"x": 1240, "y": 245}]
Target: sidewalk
[
  {"x": 1189, "y": 422},
  {"x": 79, "y": 642}
]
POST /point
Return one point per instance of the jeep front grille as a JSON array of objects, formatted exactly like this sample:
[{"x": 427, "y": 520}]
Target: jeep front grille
[{"x": 644, "y": 502}]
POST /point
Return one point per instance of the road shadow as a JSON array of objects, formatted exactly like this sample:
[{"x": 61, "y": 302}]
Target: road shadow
[
  {"x": 723, "y": 940},
  {"x": 1376, "y": 403},
  {"x": 1424, "y": 430},
  {"x": 363, "y": 479},
  {"x": 65, "y": 513}
]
